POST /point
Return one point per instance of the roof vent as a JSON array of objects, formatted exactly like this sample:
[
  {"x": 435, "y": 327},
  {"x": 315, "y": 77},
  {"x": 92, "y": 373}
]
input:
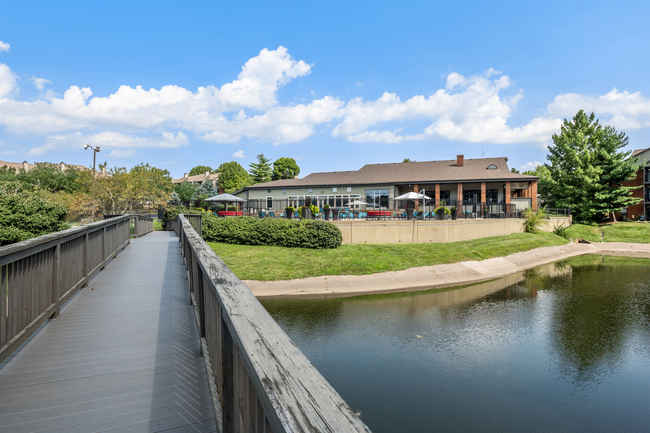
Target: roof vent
[
  {"x": 460, "y": 160},
  {"x": 492, "y": 167}
]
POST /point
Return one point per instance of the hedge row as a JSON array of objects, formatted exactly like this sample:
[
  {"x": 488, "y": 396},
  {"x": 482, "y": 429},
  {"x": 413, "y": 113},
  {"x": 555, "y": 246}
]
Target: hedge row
[
  {"x": 272, "y": 232},
  {"x": 265, "y": 231}
]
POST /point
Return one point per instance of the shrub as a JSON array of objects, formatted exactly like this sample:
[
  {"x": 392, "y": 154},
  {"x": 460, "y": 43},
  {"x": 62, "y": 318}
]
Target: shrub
[
  {"x": 443, "y": 209},
  {"x": 534, "y": 220},
  {"x": 561, "y": 229},
  {"x": 272, "y": 232},
  {"x": 28, "y": 214}
]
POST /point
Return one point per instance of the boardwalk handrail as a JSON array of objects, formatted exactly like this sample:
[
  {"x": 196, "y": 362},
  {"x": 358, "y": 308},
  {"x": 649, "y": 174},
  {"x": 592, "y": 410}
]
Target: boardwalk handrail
[
  {"x": 39, "y": 275},
  {"x": 140, "y": 225},
  {"x": 264, "y": 382}
]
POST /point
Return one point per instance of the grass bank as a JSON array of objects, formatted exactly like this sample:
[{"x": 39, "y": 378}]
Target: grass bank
[
  {"x": 278, "y": 263},
  {"x": 615, "y": 232}
]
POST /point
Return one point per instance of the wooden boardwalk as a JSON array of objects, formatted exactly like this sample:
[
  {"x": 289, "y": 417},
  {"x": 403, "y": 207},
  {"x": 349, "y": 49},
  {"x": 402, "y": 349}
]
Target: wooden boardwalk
[{"x": 122, "y": 356}]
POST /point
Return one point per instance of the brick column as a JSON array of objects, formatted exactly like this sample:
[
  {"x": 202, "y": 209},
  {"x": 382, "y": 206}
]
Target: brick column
[
  {"x": 483, "y": 193},
  {"x": 460, "y": 193},
  {"x": 417, "y": 202},
  {"x": 507, "y": 192},
  {"x": 437, "y": 195},
  {"x": 533, "y": 193}
]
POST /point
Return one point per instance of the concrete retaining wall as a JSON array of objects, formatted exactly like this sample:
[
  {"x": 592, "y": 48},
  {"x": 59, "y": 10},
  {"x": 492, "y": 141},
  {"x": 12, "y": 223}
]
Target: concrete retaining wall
[{"x": 408, "y": 232}]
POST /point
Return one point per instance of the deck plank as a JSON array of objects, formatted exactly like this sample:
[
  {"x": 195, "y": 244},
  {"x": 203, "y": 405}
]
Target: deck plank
[{"x": 122, "y": 356}]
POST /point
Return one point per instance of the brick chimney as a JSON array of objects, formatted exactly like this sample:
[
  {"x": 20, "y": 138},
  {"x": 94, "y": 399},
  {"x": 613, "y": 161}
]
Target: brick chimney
[
  {"x": 185, "y": 176},
  {"x": 25, "y": 165},
  {"x": 207, "y": 174},
  {"x": 460, "y": 160},
  {"x": 103, "y": 171}
]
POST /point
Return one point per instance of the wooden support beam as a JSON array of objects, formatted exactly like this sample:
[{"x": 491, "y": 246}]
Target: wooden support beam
[{"x": 437, "y": 197}]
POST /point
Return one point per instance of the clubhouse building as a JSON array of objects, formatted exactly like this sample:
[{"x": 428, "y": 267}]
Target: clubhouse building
[{"x": 485, "y": 180}]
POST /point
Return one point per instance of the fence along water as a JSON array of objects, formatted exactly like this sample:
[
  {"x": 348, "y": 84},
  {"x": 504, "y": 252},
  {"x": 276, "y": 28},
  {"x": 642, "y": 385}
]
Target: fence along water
[
  {"x": 39, "y": 275},
  {"x": 264, "y": 382}
]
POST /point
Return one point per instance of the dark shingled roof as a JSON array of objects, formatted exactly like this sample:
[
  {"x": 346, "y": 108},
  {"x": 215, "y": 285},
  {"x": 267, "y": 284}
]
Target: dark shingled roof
[{"x": 408, "y": 172}]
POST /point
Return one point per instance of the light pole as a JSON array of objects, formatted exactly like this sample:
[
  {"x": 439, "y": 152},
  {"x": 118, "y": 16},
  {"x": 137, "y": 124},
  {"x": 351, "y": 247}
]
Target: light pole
[{"x": 95, "y": 150}]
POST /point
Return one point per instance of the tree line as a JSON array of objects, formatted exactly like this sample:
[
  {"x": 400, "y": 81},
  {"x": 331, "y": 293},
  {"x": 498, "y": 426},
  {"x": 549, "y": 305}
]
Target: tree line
[{"x": 233, "y": 177}]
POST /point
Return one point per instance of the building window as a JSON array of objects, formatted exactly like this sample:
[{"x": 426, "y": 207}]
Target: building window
[
  {"x": 376, "y": 198},
  {"x": 647, "y": 191},
  {"x": 492, "y": 195},
  {"x": 492, "y": 167},
  {"x": 445, "y": 195},
  {"x": 334, "y": 189},
  {"x": 647, "y": 174},
  {"x": 284, "y": 191},
  {"x": 349, "y": 189},
  {"x": 311, "y": 190},
  {"x": 468, "y": 196},
  {"x": 269, "y": 202}
]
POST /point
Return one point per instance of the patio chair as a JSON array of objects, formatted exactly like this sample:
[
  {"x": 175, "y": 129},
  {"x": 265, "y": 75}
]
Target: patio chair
[
  {"x": 297, "y": 214},
  {"x": 271, "y": 214},
  {"x": 262, "y": 214}
]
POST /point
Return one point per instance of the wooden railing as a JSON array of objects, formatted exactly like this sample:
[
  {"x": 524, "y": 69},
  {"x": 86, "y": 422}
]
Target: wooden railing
[
  {"x": 264, "y": 382},
  {"x": 140, "y": 225},
  {"x": 39, "y": 275}
]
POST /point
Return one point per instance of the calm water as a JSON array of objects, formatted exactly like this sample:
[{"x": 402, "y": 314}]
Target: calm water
[{"x": 564, "y": 347}]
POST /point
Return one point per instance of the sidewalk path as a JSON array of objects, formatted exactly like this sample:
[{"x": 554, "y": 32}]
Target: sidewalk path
[{"x": 438, "y": 276}]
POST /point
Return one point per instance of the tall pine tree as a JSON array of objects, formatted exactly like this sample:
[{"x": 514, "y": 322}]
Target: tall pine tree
[
  {"x": 261, "y": 171},
  {"x": 587, "y": 169}
]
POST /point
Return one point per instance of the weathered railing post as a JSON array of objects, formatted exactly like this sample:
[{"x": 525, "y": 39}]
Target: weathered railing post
[{"x": 56, "y": 280}]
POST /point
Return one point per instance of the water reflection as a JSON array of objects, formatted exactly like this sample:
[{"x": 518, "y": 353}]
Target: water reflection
[{"x": 561, "y": 347}]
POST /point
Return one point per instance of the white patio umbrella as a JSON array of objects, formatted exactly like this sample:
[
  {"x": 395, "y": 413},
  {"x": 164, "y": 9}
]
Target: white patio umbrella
[
  {"x": 356, "y": 202},
  {"x": 412, "y": 196}
]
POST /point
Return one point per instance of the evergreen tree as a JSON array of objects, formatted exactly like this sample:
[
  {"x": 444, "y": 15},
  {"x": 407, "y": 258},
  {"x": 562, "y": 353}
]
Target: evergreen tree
[
  {"x": 261, "y": 171},
  {"x": 586, "y": 169},
  {"x": 232, "y": 176},
  {"x": 206, "y": 190},
  {"x": 285, "y": 168}
]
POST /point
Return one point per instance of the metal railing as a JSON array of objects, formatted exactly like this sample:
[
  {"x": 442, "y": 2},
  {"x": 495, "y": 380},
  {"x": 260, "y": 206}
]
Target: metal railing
[
  {"x": 40, "y": 274},
  {"x": 558, "y": 212},
  {"x": 264, "y": 382},
  {"x": 140, "y": 225},
  {"x": 396, "y": 209}
]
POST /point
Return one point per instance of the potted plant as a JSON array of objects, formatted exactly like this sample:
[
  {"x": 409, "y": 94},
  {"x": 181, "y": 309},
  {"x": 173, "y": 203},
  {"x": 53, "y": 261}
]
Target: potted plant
[
  {"x": 335, "y": 214},
  {"x": 326, "y": 209},
  {"x": 305, "y": 212},
  {"x": 453, "y": 212},
  {"x": 288, "y": 211},
  {"x": 314, "y": 211},
  {"x": 442, "y": 211}
]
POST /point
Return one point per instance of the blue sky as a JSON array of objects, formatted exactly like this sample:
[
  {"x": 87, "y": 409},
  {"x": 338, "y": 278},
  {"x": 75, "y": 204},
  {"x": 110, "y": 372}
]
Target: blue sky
[{"x": 335, "y": 85}]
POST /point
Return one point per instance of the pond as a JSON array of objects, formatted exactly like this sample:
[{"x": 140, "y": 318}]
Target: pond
[{"x": 562, "y": 347}]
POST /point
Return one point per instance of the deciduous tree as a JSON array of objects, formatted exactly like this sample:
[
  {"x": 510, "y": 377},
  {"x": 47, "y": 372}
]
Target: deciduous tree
[
  {"x": 285, "y": 168},
  {"x": 232, "y": 176},
  {"x": 201, "y": 169}
]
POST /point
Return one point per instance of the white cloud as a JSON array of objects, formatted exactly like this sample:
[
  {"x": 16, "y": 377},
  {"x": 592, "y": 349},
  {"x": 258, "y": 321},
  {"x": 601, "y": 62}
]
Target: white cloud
[
  {"x": 108, "y": 140},
  {"x": 204, "y": 111},
  {"x": 468, "y": 109},
  {"x": 39, "y": 83},
  {"x": 239, "y": 154},
  {"x": 473, "y": 109},
  {"x": 7, "y": 82},
  {"x": 120, "y": 153},
  {"x": 530, "y": 166},
  {"x": 4, "y": 47},
  {"x": 624, "y": 110}
]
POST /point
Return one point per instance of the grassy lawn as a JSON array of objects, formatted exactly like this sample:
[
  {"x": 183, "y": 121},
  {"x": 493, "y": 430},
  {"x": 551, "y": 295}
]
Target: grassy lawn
[
  {"x": 157, "y": 225},
  {"x": 616, "y": 232},
  {"x": 581, "y": 231},
  {"x": 278, "y": 263},
  {"x": 627, "y": 232}
]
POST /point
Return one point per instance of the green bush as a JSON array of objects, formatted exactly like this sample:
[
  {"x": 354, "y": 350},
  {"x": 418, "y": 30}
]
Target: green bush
[
  {"x": 561, "y": 229},
  {"x": 534, "y": 220},
  {"x": 27, "y": 214},
  {"x": 272, "y": 232}
]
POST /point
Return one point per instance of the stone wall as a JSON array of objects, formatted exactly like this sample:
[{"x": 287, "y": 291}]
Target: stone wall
[{"x": 408, "y": 232}]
